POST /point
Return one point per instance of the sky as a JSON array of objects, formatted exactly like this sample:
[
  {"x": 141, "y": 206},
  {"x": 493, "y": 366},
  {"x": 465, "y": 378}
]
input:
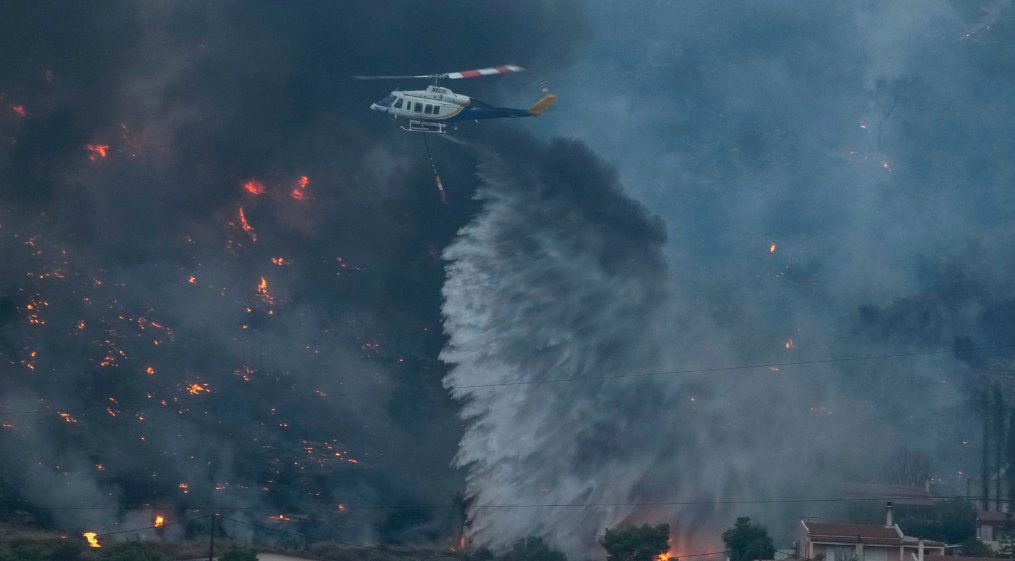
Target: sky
[{"x": 230, "y": 285}]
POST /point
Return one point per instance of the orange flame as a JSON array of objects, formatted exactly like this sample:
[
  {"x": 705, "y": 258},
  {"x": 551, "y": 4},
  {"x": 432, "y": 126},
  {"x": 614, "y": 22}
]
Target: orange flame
[
  {"x": 93, "y": 539},
  {"x": 67, "y": 417},
  {"x": 97, "y": 151},
  {"x": 788, "y": 344},
  {"x": 254, "y": 187},
  {"x": 771, "y": 248},
  {"x": 278, "y": 261},
  {"x": 246, "y": 226},
  {"x": 262, "y": 291},
  {"x": 196, "y": 389},
  {"x": 159, "y": 520},
  {"x": 192, "y": 279}
]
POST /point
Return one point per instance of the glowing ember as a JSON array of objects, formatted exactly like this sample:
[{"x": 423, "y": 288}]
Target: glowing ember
[
  {"x": 196, "y": 389},
  {"x": 300, "y": 190},
  {"x": 886, "y": 167},
  {"x": 159, "y": 520},
  {"x": 246, "y": 225},
  {"x": 280, "y": 518},
  {"x": 192, "y": 279},
  {"x": 149, "y": 371},
  {"x": 183, "y": 486},
  {"x": 93, "y": 539},
  {"x": 254, "y": 187},
  {"x": 771, "y": 248},
  {"x": 67, "y": 417},
  {"x": 863, "y": 125},
  {"x": 262, "y": 291},
  {"x": 788, "y": 344},
  {"x": 280, "y": 261},
  {"x": 19, "y": 110},
  {"x": 97, "y": 151}
]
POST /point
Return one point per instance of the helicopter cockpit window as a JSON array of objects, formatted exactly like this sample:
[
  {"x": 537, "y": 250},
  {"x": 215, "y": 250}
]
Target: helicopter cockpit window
[
  {"x": 386, "y": 102},
  {"x": 398, "y": 103}
]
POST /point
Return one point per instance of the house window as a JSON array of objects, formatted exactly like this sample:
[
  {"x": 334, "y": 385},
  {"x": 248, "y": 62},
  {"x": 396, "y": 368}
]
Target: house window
[
  {"x": 871, "y": 553},
  {"x": 842, "y": 553}
]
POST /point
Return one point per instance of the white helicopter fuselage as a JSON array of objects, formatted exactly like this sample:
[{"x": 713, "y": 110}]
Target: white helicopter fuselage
[{"x": 432, "y": 104}]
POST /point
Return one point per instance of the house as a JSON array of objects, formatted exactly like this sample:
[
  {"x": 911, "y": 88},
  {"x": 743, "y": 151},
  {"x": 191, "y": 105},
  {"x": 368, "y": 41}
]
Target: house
[
  {"x": 989, "y": 526},
  {"x": 840, "y": 541}
]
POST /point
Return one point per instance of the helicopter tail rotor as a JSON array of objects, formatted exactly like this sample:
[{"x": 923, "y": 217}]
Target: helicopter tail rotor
[{"x": 540, "y": 107}]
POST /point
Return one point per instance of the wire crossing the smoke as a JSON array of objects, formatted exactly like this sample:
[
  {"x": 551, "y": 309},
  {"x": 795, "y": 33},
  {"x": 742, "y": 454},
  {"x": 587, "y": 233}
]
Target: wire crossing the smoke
[{"x": 703, "y": 370}]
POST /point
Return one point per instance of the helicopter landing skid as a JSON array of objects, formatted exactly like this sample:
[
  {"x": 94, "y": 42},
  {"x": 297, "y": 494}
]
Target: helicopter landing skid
[{"x": 426, "y": 126}]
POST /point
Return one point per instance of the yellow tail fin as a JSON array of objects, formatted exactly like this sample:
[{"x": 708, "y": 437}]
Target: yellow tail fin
[{"x": 542, "y": 105}]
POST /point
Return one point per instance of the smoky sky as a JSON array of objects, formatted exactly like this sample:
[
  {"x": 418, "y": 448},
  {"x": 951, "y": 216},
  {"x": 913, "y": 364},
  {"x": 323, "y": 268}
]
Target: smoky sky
[
  {"x": 834, "y": 181},
  {"x": 242, "y": 289},
  {"x": 213, "y": 345}
]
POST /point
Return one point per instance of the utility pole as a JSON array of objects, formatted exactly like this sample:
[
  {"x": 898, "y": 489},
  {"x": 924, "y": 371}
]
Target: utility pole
[{"x": 211, "y": 540}]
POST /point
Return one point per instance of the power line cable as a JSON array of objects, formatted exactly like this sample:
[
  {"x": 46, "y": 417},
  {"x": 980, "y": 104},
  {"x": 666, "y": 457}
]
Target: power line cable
[
  {"x": 350, "y": 507},
  {"x": 702, "y": 370}
]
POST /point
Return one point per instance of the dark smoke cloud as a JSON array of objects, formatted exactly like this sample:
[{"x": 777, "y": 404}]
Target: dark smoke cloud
[{"x": 192, "y": 101}]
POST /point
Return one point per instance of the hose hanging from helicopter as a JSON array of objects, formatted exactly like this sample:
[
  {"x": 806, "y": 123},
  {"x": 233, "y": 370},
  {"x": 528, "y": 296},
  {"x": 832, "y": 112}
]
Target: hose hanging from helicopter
[{"x": 433, "y": 167}]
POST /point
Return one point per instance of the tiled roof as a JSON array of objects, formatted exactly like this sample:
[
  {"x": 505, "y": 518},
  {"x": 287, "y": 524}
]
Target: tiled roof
[
  {"x": 852, "y": 533},
  {"x": 989, "y": 517}
]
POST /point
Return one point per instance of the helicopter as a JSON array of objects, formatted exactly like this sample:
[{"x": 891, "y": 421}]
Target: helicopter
[{"x": 430, "y": 110}]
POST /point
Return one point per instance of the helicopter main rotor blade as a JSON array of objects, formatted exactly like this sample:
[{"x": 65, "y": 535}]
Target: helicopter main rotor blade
[
  {"x": 491, "y": 71},
  {"x": 422, "y": 76}
]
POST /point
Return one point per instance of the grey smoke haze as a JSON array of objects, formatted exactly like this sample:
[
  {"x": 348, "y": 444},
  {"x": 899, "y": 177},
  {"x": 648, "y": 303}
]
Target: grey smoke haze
[
  {"x": 871, "y": 143},
  {"x": 139, "y": 259},
  {"x": 733, "y": 125}
]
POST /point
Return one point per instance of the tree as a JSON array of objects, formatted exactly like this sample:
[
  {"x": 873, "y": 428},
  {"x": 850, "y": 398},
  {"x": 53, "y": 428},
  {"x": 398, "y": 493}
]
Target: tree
[
  {"x": 131, "y": 552},
  {"x": 950, "y": 521},
  {"x": 636, "y": 543},
  {"x": 746, "y": 541},
  {"x": 972, "y": 547},
  {"x": 21, "y": 552},
  {"x": 985, "y": 450},
  {"x": 531, "y": 549},
  {"x": 1006, "y": 540},
  {"x": 999, "y": 426},
  {"x": 1011, "y": 462},
  {"x": 237, "y": 553},
  {"x": 909, "y": 467}
]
